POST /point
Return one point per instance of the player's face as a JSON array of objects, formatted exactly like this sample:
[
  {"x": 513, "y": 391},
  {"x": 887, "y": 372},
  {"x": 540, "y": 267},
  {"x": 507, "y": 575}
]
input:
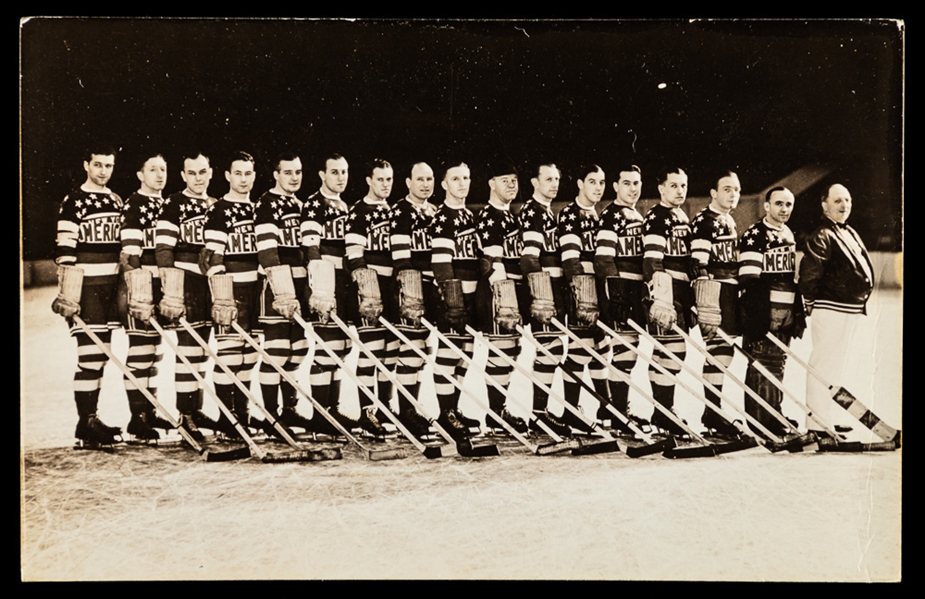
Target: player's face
[
  {"x": 673, "y": 190},
  {"x": 289, "y": 175},
  {"x": 505, "y": 187},
  {"x": 153, "y": 175},
  {"x": 628, "y": 187},
  {"x": 380, "y": 184},
  {"x": 99, "y": 168},
  {"x": 196, "y": 174},
  {"x": 837, "y": 205},
  {"x": 241, "y": 177},
  {"x": 546, "y": 184},
  {"x": 421, "y": 183},
  {"x": 591, "y": 189},
  {"x": 727, "y": 193},
  {"x": 456, "y": 182},
  {"x": 779, "y": 207},
  {"x": 334, "y": 176}
]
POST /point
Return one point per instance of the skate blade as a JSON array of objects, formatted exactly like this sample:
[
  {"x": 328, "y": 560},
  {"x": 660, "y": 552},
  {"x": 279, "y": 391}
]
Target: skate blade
[{"x": 81, "y": 445}]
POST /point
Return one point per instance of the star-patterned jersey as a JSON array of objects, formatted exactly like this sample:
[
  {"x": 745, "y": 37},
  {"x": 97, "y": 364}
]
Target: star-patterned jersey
[
  {"x": 539, "y": 232},
  {"x": 229, "y": 233},
  {"x": 713, "y": 245},
  {"x": 323, "y": 226},
  {"x": 409, "y": 232},
  {"x": 577, "y": 229},
  {"x": 366, "y": 239},
  {"x": 455, "y": 243},
  {"x": 277, "y": 224},
  {"x": 180, "y": 231},
  {"x": 666, "y": 237},
  {"x": 138, "y": 229},
  {"x": 620, "y": 246},
  {"x": 769, "y": 252},
  {"x": 500, "y": 240},
  {"x": 88, "y": 233}
]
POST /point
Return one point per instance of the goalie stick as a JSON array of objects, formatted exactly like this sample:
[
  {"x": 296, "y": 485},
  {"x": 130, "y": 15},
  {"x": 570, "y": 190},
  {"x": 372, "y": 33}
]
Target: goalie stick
[
  {"x": 428, "y": 451},
  {"x": 558, "y": 445},
  {"x": 462, "y": 447},
  {"x": 807, "y": 441},
  {"x": 207, "y": 454},
  {"x": 703, "y": 449},
  {"x": 608, "y": 444},
  {"x": 298, "y": 454},
  {"x": 651, "y": 445},
  {"x": 835, "y": 441},
  {"x": 848, "y": 401}
]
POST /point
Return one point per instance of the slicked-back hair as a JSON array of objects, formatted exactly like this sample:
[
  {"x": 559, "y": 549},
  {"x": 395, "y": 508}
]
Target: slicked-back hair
[
  {"x": 239, "y": 156},
  {"x": 451, "y": 165},
  {"x": 586, "y": 169},
  {"x": 331, "y": 156},
  {"x": 193, "y": 155},
  {"x": 146, "y": 157},
  {"x": 536, "y": 173},
  {"x": 669, "y": 170},
  {"x": 376, "y": 163},
  {"x": 767, "y": 196},
  {"x": 628, "y": 168},
  {"x": 99, "y": 150},
  {"x": 719, "y": 175},
  {"x": 284, "y": 156}
]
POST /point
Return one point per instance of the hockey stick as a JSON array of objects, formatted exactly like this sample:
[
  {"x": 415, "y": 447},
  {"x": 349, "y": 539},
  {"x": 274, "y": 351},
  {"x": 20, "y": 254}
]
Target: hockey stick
[
  {"x": 848, "y": 401},
  {"x": 703, "y": 449},
  {"x": 453, "y": 446},
  {"x": 210, "y": 456},
  {"x": 634, "y": 451},
  {"x": 791, "y": 442},
  {"x": 429, "y": 451},
  {"x": 297, "y": 455},
  {"x": 558, "y": 445},
  {"x": 608, "y": 444},
  {"x": 753, "y": 361},
  {"x": 468, "y": 450}
]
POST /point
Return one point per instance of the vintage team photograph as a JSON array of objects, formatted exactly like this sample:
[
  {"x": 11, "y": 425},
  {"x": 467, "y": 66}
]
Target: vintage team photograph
[{"x": 419, "y": 299}]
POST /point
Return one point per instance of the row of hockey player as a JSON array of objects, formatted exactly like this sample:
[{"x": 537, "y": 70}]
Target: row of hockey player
[{"x": 214, "y": 262}]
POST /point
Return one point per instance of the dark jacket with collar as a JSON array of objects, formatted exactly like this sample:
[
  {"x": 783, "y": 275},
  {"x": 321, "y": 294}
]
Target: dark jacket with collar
[{"x": 831, "y": 275}]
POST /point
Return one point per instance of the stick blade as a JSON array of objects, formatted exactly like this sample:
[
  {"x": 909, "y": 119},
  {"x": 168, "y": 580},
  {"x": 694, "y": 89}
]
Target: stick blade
[
  {"x": 381, "y": 455},
  {"x": 608, "y": 446},
  {"x": 303, "y": 455},
  {"x": 794, "y": 443},
  {"x": 553, "y": 448},
  {"x": 661, "y": 446},
  {"x": 432, "y": 452},
  {"x": 831, "y": 445},
  {"x": 691, "y": 451},
  {"x": 229, "y": 455},
  {"x": 466, "y": 449}
]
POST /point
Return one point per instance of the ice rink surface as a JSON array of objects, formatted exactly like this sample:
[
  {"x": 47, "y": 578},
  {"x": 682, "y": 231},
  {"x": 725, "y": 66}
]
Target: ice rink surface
[{"x": 146, "y": 513}]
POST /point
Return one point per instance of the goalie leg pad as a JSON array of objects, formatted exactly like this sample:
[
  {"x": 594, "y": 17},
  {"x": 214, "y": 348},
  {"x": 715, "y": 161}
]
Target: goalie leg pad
[
  {"x": 321, "y": 285},
  {"x": 584, "y": 292},
  {"x": 172, "y": 306},
  {"x": 284, "y": 298},
  {"x": 504, "y": 304},
  {"x": 543, "y": 306},
  {"x": 662, "y": 311},
  {"x": 140, "y": 285},
  {"x": 367, "y": 282},
  {"x": 70, "y": 287},
  {"x": 411, "y": 295}
]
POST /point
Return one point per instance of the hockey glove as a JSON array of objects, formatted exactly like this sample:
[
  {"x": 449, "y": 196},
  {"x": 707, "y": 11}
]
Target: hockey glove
[{"x": 70, "y": 284}]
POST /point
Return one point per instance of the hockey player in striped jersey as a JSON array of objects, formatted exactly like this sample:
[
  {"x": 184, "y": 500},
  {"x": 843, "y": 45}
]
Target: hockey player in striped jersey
[
  {"x": 540, "y": 260},
  {"x": 178, "y": 244},
  {"x": 323, "y": 226},
  {"x": 455, "y": 261},
  {"x": 618, "y": 266},
  {"x": 666, "y": 268},
  {"x": 410, "y": 242},
  {"x": 716, "y": 290},
  {"x": 230, "y": 256},
  {"x": 279, "y": 252},
  {"x": 769, "y": 301},
  {"x": 142, "y": 289},
  {"x": 368, "y": 259},
  {"x": 500, "y": 292},
  {"x": 87, "y": 256},
  {"x": 578, "y": 224}
]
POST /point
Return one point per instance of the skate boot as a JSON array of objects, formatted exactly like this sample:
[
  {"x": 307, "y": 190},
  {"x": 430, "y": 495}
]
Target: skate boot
[
  {"x": 91, "y": 433},
  {"x": 452, "y": 421},
  {"x": 370, "y": 424},
  {"x": 139, "y": 428},
  {"x": 156, "y": 421},
  {"x": 666, "y": 425},
  {"x": 416, "y": 424},
  {"x": 187, "y": 423},
  {"x": 290, "y": 418},
  {"x": 201, "y": 420},
  {"x": 513, "y": 421},
  {"x": 552, "y": 421},
  {"x": 718, "y": 427}
]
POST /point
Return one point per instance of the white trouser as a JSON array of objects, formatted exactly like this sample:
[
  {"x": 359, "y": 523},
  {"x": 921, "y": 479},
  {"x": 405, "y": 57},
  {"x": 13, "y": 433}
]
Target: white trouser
[{"x": 833, "y": 336}]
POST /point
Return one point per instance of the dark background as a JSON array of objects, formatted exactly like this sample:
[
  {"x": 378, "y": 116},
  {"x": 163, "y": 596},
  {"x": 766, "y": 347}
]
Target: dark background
[{"x": 762, "y": 97}]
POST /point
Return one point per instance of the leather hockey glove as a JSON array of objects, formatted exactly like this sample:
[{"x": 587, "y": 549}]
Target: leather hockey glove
[
  {"x": 452, "y": 293},
  {"x": 662, "y": 311},
  {"x": 543, "y": 306},
  {"x": 284, "y": 299},
  {"x": 224, "y": 309},
  {"x": 140, "y": 284},
  {"x": 504, "y": 296},
  {"x": 584, "y": 291},
  {"x": 411, "y": 296},
  {"x": 709, "y": 316},
  {"x": 172, "y": 306},
  {"x": 368, "y": 289},
  {"x": 322, "y": 284},
  {"x": 70, "y": 285}
]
